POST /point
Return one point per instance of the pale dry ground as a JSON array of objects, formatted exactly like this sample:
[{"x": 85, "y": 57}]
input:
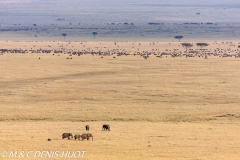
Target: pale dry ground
[
  {"x": 129, "y": 140},
  {"x": 159, "y": 108}
]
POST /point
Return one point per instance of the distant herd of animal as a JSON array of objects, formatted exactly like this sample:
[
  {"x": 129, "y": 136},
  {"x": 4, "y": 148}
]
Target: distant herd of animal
[{"x": 84, "y": 136}]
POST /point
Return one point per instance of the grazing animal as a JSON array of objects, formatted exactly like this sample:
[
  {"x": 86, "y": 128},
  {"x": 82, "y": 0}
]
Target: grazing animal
[
  {"x": 89, "y": 135},
  {"x": 67, "y": 135},
  {"x": 87, "y": 127},
  {"x": 86, "y": 136},
  {"x": 77, "y": 136},
  {"x": 106, "y": 127}
]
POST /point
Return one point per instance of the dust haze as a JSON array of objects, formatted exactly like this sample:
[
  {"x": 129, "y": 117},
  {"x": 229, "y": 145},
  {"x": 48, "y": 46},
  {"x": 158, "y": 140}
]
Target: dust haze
[{"x": 96, "y": 12}]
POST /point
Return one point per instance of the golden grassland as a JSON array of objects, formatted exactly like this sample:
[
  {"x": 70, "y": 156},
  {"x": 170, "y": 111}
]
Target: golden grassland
[
  {"x": 159, "y": 108},
  {"x": 128, "y": 140}
]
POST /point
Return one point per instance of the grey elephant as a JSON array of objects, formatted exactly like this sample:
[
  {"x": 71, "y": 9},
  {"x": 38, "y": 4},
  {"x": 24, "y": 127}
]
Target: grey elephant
[
  {"x": 87, "y": 127},
  {"x": 77, "y": 136},
  {"x": 86, "y": 136},
  {"x": 106, "y": 127},
  {"x": 67, "y": 135}
]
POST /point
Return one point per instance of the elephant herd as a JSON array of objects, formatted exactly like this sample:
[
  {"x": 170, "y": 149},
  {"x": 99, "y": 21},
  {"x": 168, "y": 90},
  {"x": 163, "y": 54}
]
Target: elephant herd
[{"x": 84, "y": 136}]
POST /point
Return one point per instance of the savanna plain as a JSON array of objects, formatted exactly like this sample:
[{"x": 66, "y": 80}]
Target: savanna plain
[
  {"x": 161, "y": 100},
  {"x": 158, "y": 108}
]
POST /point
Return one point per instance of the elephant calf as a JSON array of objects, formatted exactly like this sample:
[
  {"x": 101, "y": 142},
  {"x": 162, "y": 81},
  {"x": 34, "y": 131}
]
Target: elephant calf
[
  {"x": 77, "y": 136},
  {"x": 67, "y": 135},
  {"x": 87, "y": 127}
]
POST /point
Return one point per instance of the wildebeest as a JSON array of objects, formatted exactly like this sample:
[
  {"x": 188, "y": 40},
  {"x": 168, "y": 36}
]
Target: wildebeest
[
  {"x": 77, "y": 136},
  {"x": 67, "y": 135},
  {"x": 86, "y": 136},
  {"x": 87, "y": 127},
  {"x": 106, "y": 127}
]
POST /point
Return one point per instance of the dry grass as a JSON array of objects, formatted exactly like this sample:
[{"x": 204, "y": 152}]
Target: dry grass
[
  {"x": 168, "y": 108},
  {"x": 128, "y": 140}
]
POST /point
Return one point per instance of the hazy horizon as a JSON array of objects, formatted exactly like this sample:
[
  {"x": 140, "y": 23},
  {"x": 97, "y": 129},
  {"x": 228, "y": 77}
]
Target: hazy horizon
[
  {"x": 27, "y": 12},
  {"x": 173, "y": 2}
]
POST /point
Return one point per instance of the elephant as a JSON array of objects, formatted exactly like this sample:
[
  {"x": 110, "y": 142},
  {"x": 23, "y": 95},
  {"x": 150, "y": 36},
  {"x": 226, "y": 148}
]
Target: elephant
[
  {"x": 86, "y": 136},
  {"x": 77, "y": 136},
  {"x": 89, "y": 135},
  {"x": 67, "y": 135},
  {"x": 106, "y": 127},
  {"x": 87, "y": 127}
]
